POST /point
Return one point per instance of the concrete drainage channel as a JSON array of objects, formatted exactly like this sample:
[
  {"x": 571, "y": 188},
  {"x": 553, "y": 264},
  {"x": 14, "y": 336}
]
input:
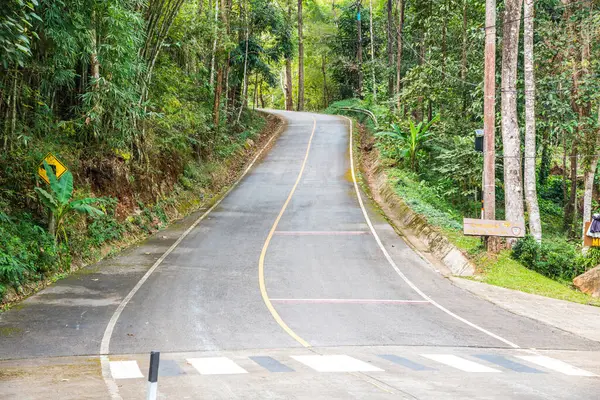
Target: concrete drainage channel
[{"x": 407, "y": 220}]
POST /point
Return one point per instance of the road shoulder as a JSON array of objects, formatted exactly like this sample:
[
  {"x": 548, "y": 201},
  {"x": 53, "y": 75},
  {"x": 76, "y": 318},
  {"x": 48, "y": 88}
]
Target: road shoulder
[{"x": 579, "y": 319}]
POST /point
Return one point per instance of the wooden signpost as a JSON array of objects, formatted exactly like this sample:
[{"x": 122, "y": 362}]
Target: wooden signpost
[{"x": 489, "y": 227}]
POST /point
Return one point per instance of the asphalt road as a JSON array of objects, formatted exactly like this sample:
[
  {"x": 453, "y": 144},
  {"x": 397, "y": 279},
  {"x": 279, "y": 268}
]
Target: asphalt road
[{"x": 285, "y": 266}]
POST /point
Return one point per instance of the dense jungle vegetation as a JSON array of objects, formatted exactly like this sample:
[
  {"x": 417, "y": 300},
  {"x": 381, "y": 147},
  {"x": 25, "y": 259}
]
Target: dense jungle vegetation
[{"x": 144, "y": 101}]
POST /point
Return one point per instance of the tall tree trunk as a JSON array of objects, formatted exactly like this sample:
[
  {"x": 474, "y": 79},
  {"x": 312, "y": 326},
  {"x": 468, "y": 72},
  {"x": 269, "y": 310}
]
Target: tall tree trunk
[
  {"x": 289, "y": 98},
  {"x": 445, "y": 12},
  {"x": 513, "y": 183},
  {"x": 13, "y": 119},
  {"x": 359, "y": 51},
  {"x": 300, "y": 59},
  {"x": 399, "y": 43},
  {"x": 535, "y": 225},
  {"x": 564, "y": 170},
  {"x": 463, "y": 61},
  {"x": 255, "y": 95},
  {"x": 324, "y": 71},
  {"x": 245, "y": 90},
  {"x": 372, "y": 49},
  {"x": 225, "y": 89},
  {"x": 214, "y": 47},
  {"x": 390, "y": 47},
  {"x": 221, "y": 69},
  {"x": 571, "y": 208},
  {"x": 217, "y": 98},
  {"x": 421, "y": 61},
  {"x": 260, "y": 94},
  {"x": 94, "y": 63}
]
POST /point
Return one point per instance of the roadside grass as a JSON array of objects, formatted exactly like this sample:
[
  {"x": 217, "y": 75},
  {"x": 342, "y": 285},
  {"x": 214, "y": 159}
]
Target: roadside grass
[{"x": 504, "y": 271}]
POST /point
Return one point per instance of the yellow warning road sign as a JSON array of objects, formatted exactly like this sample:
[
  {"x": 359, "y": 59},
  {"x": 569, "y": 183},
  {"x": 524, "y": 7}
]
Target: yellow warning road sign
[{"x": 58, "y": 167}]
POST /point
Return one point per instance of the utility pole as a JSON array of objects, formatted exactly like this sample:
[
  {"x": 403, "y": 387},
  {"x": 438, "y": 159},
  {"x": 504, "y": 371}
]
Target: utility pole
[
  {"x": 358, "y": 26},
  {"x": 489, "y": 112}
]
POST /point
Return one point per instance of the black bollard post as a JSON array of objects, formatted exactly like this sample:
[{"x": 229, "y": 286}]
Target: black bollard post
[{"x": 153, "y": 375}]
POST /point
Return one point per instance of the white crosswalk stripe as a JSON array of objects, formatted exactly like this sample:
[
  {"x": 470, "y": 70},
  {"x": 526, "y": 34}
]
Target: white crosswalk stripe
[
  {"x": 335, "y": 363},
  {"x": 459, "y": 363},
  {"x": 556, "y": 365},
  {"x": 216, "y": 366},
  {"x": 125, "y": 370},
  {"x": 129, "y": 369}
]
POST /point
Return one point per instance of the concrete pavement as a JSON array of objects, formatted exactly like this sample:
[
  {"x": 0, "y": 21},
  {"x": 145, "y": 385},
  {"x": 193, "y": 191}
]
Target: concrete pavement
[
  {"x": 289, "y": 264},
  {"x": 579, "y": 319}
]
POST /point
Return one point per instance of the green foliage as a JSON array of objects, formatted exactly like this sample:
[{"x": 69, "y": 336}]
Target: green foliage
[
  {"x": 105, "y": 228},
  {"x": 409, "y": 143},
  {"x": 555, "y": 258},
  {"x": 59, "y": 204},
  {"x": 588, "y": 260},
  {"x": 457, "y": 168},
  {"x": 552, "y": 190},
  {"x": 27, "y": 252},
  {"x": 16, "y": 22},
  {"x": 425, "y": 200}
]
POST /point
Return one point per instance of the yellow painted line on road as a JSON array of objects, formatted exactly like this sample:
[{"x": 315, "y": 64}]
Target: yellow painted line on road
[{"x": 263, "y": 253}]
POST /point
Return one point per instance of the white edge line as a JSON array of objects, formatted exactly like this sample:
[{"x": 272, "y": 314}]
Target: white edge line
[
  {"x": 393, "y": 264},
  {"x": 105, "y": 344}
]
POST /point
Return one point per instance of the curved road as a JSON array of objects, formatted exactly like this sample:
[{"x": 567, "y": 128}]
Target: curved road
[{"x": 291, "y": 288}]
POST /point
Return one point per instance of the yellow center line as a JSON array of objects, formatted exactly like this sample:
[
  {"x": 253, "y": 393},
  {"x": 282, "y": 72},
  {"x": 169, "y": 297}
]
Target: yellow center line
[{"x": 261, "y": 261}]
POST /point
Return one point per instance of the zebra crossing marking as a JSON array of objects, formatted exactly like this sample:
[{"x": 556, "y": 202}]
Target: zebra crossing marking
[
  {"x": 405, "y": 362},
  {"x": 216, "y": 366},
  {"x": 460, "y": 363},
  {"x": 169, "y": 368},
  {"x": 556, "y": 365},
  {"x": 125, "y": 370},
  {"x": 271, "y": 364},
  {"x": 336, "y": 363},
  {"x": 344, "y": 363},
  {"x": 507, "y": 363}
]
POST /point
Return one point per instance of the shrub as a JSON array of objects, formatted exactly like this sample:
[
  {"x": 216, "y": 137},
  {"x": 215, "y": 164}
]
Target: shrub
[
  {"x": 588, "y": 260},
  {"x": 105, "y": 228},
  {"x": 554, "y": 258},
  {"x": 527, "y": 251},
  {"x": 27, "y": 252},
  {"x": 552, "y": 190},
  {"x": 558, "y": 259}
]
